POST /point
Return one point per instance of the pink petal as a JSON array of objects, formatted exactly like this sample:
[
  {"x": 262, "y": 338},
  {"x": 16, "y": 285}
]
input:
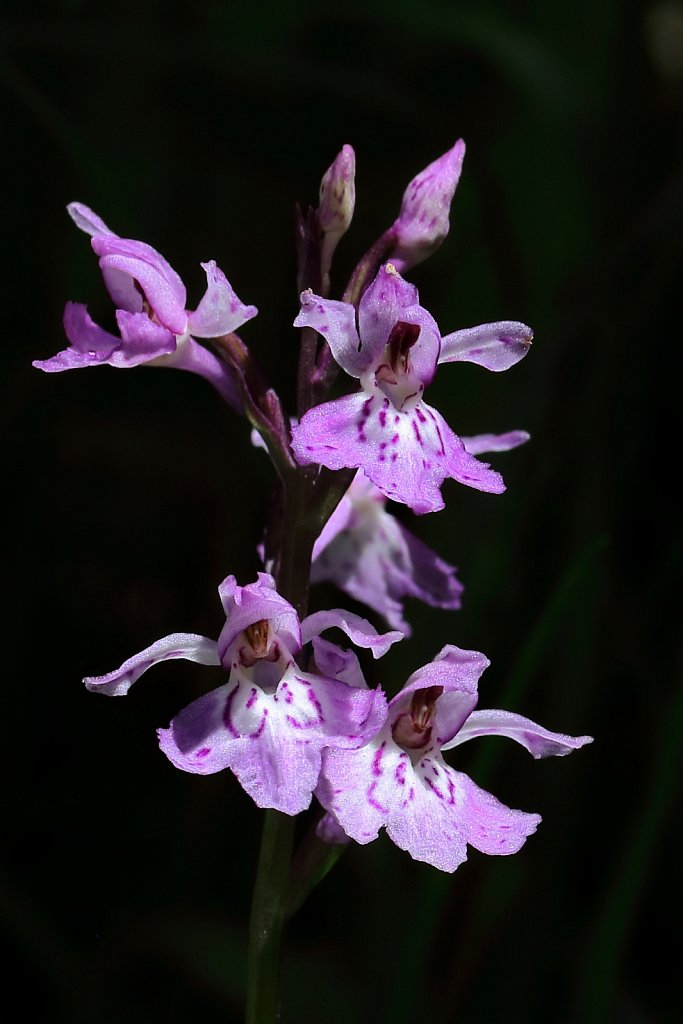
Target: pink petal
[
  {"x": 480, "y": 444},
  {"x": 337, "y": 663},
  {"x": 375, "y": 560},
  {"x": 187, "y": 646},
  {"x": 361, "y": 632},
  {"x": 91, "y": 344},
  {"x": 494, "y": 346},
  {"x": 220, "y": 310},
  {"x": 381, "y": 306},
  {"x": 423, "y": 222},
  {"x": 336, "y": 322},
  {"x": 424, "y": 823},
  {"x": 406, "y": 454},
  {"x": 142, "y": 340},
  {"x": 538, "y": 741},
  {"x": 244, "y": 606},
  {"x": 484, "y": 821},
  {"x": 272, "y": 742},
  {"x": 163, "y": 289},
  {"x": 457, "y": 673},
  {"x": 84, "y": 218}
]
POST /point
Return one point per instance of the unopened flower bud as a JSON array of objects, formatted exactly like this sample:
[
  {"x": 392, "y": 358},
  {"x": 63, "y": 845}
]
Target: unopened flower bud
[
  {"x": 423, "y": 221},
  {"x": 337, "y": 201}
]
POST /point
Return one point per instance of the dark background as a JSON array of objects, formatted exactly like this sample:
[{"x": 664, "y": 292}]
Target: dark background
[{"x": 125, "y": 884}]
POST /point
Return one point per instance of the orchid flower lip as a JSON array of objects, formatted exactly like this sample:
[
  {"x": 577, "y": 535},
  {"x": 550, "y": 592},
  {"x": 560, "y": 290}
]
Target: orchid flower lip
[
  {"x": 392, "y": 346},
  {"x": 401, "y": 782}
]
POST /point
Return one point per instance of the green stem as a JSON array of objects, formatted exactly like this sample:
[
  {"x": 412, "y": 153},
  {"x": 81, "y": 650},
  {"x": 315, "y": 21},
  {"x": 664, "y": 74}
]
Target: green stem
[
  {"x": 269, "y": 902},
  {"x": 268, "y": 918}
]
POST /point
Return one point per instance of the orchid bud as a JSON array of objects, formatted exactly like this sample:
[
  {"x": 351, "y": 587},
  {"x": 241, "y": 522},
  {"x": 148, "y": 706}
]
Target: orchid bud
[
  {"x": 337, "y": 201},
  {"x": 423, "y": 221}
]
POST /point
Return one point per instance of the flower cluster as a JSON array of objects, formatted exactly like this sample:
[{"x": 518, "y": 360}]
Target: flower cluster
[{"x": 292, "y": 716}]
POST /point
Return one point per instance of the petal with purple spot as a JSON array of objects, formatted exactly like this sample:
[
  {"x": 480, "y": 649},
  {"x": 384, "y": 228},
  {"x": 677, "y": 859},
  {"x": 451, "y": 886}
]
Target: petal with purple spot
[
  {"x": 330, "y": 710},
  {"x": 380, "y": 308},
  {"x": 423, "y": 221},
  {"x": 272, "y": 742},
  {"x": 258, "y": 601},
  {"x": 483, "y": 821},
  {"x": 423, "y": 823},
  {"x": 495, "y": 346},
  {"x": 361, "y": 787},
  {"x": 406, "y": 454},
  {"x": 336, "y": 322}
]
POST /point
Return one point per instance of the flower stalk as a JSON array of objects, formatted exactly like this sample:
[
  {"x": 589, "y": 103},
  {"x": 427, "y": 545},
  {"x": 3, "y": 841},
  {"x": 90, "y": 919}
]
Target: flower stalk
[
  {"x": 268, "y": 913},
  {"x": 294, "y": 718}
]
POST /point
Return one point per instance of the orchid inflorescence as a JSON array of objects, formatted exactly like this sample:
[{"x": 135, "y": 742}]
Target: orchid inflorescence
[{"x": 294, "y": 717}]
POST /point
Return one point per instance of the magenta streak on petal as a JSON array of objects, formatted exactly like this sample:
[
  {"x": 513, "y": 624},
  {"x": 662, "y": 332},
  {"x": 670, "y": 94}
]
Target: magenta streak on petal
[
  {"x": 377, "y": 760},
  {"x": 316, "y": 704},
  {"x": 442, "y": 451},
  {"x": 255, "y": 735},
  {"x": 374, "y": 803},
  {"x": 227, "y": 713},
  {"x": 203, "y": 752},
  {"x": 435, "y": 790},
  {"x": 365, "y": 413},
  {"x": 400, "y": 772},
  {"x": 416, "y": 431},
  {"x": 252, "y": 698}
]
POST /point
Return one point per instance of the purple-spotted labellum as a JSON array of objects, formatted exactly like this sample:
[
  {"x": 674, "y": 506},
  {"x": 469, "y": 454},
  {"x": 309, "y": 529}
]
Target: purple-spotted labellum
[
  {"x": 423, "y": 221},
  {"x": 400, "y": 780},
  {"x": 155, "y": 327},
  {"x": 271, "y": 720},
  {"x": 386, "y": 429},
  {"x": 371, "y": 556}
]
